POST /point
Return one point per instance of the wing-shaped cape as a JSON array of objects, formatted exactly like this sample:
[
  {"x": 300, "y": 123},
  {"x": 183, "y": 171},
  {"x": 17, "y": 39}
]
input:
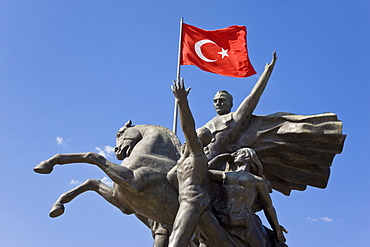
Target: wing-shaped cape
[{"x": 295, "y": 150}]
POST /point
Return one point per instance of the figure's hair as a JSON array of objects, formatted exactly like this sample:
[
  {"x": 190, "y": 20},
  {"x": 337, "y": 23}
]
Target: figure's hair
[
  {"x": 257, "y": 167},
  {"x": 229, "y": 96}
]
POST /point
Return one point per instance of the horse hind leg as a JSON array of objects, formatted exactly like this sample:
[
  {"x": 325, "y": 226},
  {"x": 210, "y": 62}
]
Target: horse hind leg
[{"x": 91, "y": 184}]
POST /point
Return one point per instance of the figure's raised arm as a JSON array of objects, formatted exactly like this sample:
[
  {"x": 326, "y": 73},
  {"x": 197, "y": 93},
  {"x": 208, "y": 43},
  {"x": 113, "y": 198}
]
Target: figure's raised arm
[
  {"x": 248, "y": 105},
  {"x": 186, "y": 117}
]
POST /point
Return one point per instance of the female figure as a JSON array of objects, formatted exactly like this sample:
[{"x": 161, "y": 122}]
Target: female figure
[{"x": 243, "y": 184}]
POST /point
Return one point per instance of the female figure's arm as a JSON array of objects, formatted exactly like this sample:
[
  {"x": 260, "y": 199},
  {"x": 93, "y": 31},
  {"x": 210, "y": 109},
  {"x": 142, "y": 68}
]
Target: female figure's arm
[
  {"x": 269, "y": 210},
  {"x": 217, "y": 162}
]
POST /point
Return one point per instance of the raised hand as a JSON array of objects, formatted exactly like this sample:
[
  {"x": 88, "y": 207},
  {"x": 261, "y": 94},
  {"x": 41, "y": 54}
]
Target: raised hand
[
  {"x": 178, "y": 89},
  {"x": 273, "y": 60}
]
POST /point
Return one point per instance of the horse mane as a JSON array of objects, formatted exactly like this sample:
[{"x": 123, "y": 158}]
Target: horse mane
[{"x": 175, "y": 141}]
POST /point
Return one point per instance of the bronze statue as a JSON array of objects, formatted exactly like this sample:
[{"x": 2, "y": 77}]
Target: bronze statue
[{"x": 295, "y": 151}]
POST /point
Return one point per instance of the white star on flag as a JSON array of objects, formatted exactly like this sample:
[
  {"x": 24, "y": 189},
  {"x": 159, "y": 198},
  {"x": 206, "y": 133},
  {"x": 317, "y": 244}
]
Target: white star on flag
[{"x": 224, "y": 53}]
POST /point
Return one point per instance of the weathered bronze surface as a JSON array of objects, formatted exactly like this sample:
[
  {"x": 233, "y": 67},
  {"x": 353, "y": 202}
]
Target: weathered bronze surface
[{"x": 207, "y": 192}]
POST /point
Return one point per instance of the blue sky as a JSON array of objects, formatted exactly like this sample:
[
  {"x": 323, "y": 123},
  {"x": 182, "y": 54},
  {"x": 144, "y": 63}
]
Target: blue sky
[{"x": 73, "y": 72}]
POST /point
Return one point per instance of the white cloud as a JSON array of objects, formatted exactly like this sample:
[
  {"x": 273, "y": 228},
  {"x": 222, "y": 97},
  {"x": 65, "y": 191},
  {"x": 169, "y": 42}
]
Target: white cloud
[
  {"x": 322, "y": 219},
  {"x": 60, "y": 141},
  {"x": 75, "y": 182},
  {"x": 106, "y": 151},
  {"x": 107, "y": 181},
  {"x": 326, "y": 219},
  {"x": 100, "y": 151}
]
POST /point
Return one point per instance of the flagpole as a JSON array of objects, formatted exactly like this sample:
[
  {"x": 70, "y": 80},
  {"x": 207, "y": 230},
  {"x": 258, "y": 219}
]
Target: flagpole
[{"x": 175, "y": 113}]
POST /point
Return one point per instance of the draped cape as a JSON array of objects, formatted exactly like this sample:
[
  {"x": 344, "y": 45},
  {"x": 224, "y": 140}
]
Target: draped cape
[{"x": 295, "y": 150}]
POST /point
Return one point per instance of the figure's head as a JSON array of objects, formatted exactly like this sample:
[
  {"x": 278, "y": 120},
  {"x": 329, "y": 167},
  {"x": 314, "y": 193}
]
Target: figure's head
[
  {"x": 223, "y": 101},
  {"x": 247, "y": 158},
  {"x": 242, "y": 156},
  {"x": 204, "y": 135},
  {"x": 126, "y": 139}
]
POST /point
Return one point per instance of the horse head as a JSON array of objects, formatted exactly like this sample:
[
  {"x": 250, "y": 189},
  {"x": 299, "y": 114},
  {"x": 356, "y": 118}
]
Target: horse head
[{"x": 126, "y": 139}]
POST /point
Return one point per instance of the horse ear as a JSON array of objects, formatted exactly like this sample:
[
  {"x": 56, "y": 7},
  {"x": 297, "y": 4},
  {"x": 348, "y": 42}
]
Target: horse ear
[{"x": 129, "y": 123}]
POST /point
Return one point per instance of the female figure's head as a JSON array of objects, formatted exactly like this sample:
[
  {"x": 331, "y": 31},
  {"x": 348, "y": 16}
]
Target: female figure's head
[{"x": 246, "y": 159}]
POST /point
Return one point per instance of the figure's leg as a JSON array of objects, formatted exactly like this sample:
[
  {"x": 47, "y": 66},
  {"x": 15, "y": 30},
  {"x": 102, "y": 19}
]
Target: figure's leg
[
  {"x": 185, "y": 223},
  {"x": 91, "y": 184},
  {"x": 159, "y": 233},
  {"x": 119, "y": 174},
  {"x": 256, "y": 235},
  {"x": 213, "y": 234}
]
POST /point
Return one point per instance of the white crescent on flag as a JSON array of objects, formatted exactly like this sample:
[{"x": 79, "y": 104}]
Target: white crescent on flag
[{"x": 198, "y": 49}]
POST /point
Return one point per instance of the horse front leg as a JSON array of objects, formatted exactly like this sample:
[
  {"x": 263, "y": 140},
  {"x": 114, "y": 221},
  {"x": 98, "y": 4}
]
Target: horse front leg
[
  {"x": 91, "y": 184},
  {"x": 160, "y": 234},
  {"x": 121, "y": 175}
]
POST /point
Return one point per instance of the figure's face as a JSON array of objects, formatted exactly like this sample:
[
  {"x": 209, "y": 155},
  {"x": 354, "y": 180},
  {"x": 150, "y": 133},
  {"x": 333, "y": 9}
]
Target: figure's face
[
  {"x": 241, "y": 157},
  {"x": 222, "y": 103}
]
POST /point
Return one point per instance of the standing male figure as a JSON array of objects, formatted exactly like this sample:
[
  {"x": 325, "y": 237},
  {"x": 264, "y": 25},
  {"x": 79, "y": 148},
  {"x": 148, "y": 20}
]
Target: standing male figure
[{"x": 192, "y": 169}]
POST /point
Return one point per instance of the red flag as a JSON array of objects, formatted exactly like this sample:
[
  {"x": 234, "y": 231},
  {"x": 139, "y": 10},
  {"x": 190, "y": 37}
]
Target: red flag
[{"x": 221, "y": 51}]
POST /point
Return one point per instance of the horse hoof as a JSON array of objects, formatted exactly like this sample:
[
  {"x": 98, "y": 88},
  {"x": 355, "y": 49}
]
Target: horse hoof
[
  {"x": 44, "y": 167},
  {"x": 56, "y": 210}
]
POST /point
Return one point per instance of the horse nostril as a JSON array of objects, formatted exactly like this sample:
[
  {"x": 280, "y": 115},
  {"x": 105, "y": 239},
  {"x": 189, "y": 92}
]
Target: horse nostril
[{"x": 115, "y": 149}]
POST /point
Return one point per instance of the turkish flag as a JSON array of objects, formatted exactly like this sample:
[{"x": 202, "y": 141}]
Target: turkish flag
[{"x": 221, "y": 51}]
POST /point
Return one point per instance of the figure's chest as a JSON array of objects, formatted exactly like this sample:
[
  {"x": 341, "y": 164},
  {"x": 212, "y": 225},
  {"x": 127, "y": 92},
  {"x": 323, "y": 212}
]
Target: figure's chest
[{"x": 239, "y": 178}]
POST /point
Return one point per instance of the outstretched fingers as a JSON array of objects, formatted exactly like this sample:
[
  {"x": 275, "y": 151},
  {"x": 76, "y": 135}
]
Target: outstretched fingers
[
  {"x": 273, "y": 61},
  {"x": 178, "y": 83},
  {"x": 178, "y": 88},
  {"x": 188, "y": 90},
  {"x": 283, "y": 229},
  {"x": 274, "y": 57}
]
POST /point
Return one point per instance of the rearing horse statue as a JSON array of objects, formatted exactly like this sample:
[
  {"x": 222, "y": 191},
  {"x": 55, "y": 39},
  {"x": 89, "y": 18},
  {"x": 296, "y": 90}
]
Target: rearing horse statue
[{"x": 140, "y": 184}]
